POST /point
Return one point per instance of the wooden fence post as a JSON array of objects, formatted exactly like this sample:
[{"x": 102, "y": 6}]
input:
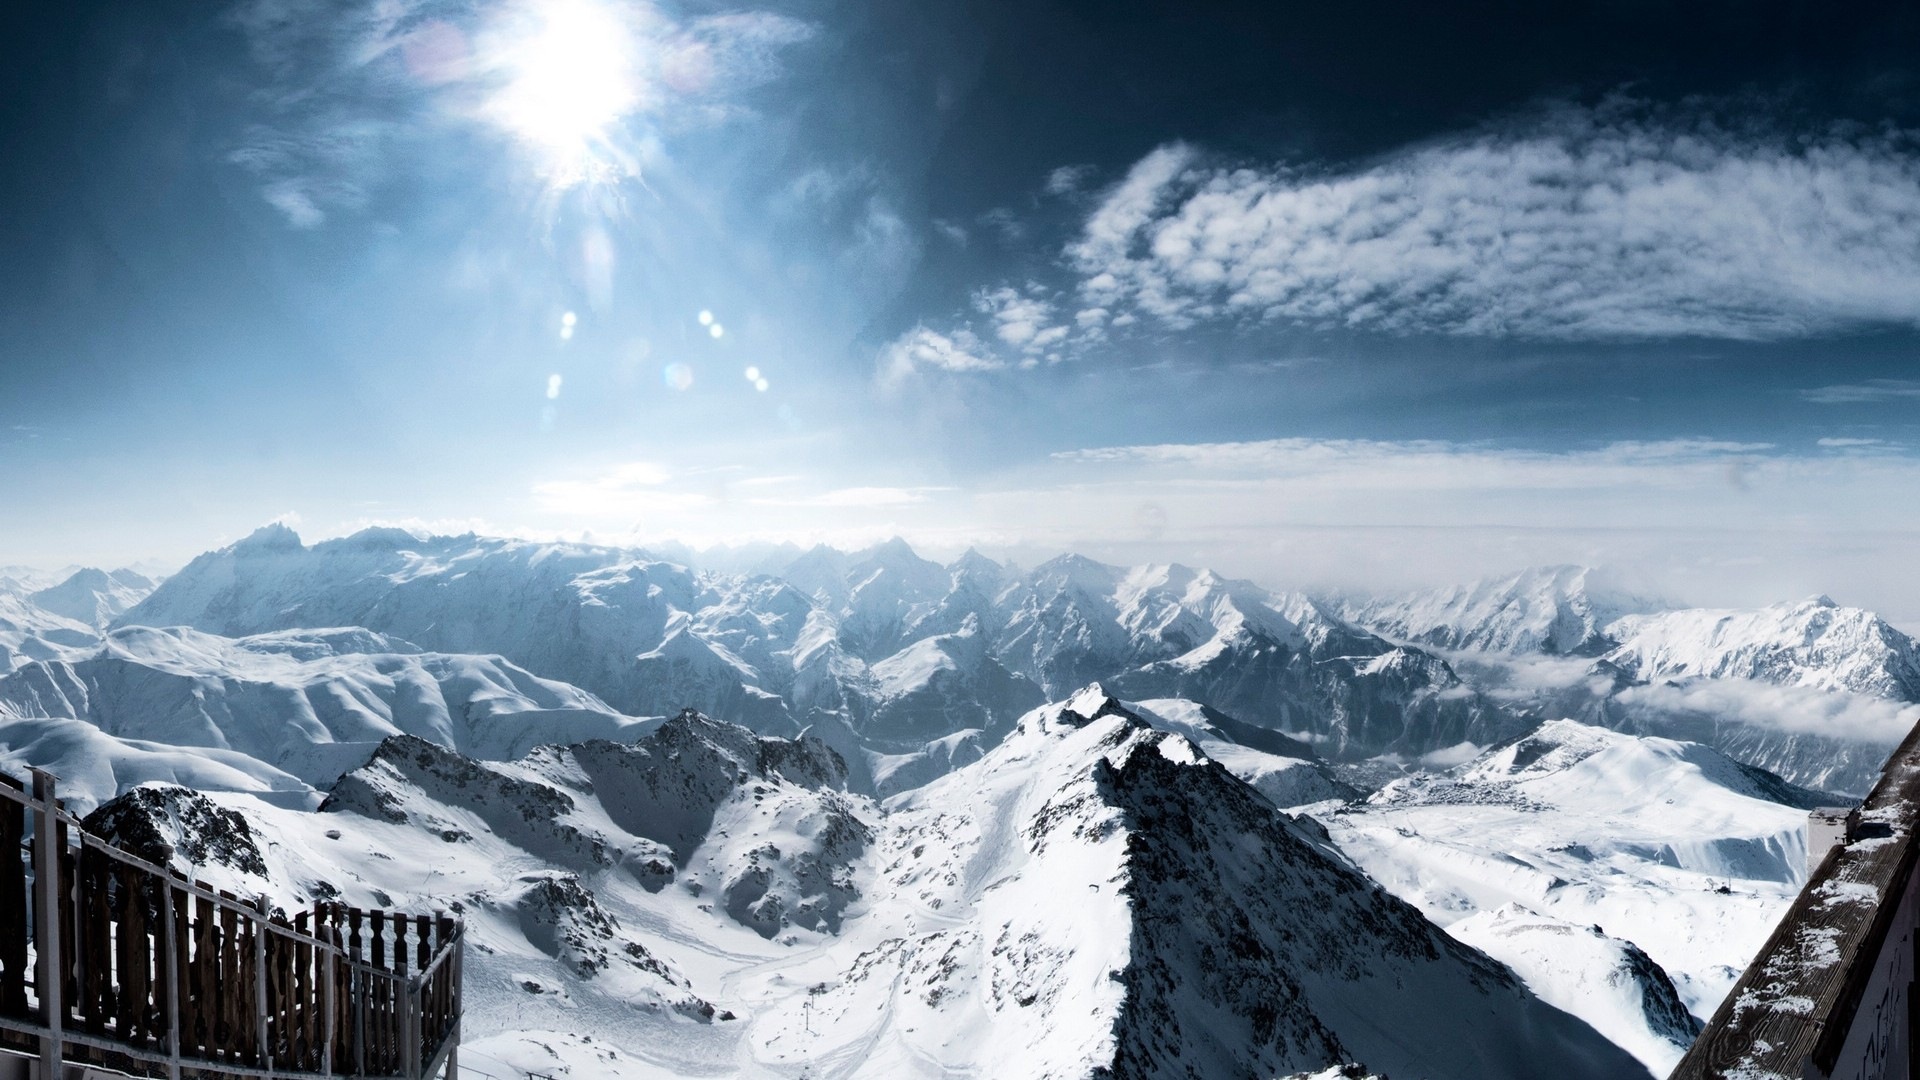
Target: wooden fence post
[
  {"x": 326, "y": 997},
  {"x": 49, "y": 977},
  {"x": 410, "y": 1028},
  {"x": 260, "y": 930},
  {"x": 173, "y": 980}
]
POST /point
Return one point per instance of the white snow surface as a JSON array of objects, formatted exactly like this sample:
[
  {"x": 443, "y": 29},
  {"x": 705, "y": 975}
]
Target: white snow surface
[
  {"x": 312, "y": 703},
  {"x": 1604, "y": 980},
  {"x": 1668, "y": 845},
  {"x": 1092, "y": 894},
  {"x": 1813, "y": 643}
]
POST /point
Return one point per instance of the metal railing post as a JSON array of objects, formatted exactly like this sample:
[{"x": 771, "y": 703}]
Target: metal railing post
[{"x": 48, "y": 976}]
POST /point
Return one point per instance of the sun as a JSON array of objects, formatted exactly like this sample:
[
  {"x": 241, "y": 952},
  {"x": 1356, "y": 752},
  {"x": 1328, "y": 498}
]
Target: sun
[{"x": 571, "y": 74}]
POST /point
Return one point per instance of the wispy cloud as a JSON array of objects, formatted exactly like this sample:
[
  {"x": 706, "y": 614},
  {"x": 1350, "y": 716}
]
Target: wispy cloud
[
  {"x": 858, "y": 497},
  {"x": 1589, "y": 224},
  {"x": 1872, "y": 390},
  {"x": 921, "y": 349},
  {"x": 1618, "y": 223},
  {"x": 1069, "y": 179}
]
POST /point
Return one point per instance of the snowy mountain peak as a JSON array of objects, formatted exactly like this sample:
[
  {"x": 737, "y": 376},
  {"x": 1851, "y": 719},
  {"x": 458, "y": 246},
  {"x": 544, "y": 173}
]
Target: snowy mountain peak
[
  {"x": 94, "y": 597},
  {"x": 382, "y": 538},
  {"x": 1560, "y": 610},
  {"x": 1208, "y": 935},
  {"x": 274, "y": 536},
  {"x": 1814, "y": 643},
  {"x": 1087, "y": 706}
]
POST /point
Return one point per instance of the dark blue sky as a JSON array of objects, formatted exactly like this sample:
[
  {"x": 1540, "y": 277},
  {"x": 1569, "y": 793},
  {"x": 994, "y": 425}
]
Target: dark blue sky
[{"x": 1370, "y": 290}]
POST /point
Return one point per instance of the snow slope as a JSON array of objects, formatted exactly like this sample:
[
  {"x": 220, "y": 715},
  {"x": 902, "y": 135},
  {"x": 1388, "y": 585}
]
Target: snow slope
[
  {"x": 1091, "y": 898},
  {"x": 1672, "y": 847},
  {"x": 29, "y": 632},
  {"x": 1814, "y": 643},
  {"x": 312, "y": 703},
  {"x": 1095, "y": 898},
  {"x": 1604, "y": 980}
]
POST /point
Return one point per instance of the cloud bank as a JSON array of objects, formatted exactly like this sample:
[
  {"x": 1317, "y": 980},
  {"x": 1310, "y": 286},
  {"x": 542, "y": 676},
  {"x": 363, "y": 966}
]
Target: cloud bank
[
  {"x": 1618, "y": 223},
  {"x": 1593, "y": 224}
]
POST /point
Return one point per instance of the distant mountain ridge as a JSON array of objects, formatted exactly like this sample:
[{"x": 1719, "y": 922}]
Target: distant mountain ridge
[
  {"x": 1556, "y": 610},
  {"x": 880, "y": 651},
  {"x": 52, "y": 616}
]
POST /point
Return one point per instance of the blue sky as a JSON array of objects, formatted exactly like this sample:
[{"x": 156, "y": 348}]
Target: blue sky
[{"x": 1394, "y": 293}]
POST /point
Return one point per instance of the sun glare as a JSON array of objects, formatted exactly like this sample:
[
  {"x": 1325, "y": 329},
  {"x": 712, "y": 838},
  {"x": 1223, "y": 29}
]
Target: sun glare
[{"x": 572, "y": 74}]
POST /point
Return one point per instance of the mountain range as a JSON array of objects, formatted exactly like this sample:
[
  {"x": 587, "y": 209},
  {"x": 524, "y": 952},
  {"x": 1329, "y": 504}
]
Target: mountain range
[{"x": 821, "y": 811}]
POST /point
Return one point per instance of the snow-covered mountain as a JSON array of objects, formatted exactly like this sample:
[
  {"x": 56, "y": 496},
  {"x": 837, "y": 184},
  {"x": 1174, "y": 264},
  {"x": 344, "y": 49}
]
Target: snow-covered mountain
[
  {"x": 1092, "y": 897},
  {"x": 1814, "y": 643},
  {"x": 94, "y": 597},
  {"x": 1558, "y": 610},
  {"x": 29, "y": 632},
  {"x": 310, "y": 703},
  {"x": 881, "y": 651},
  {"x": 903, "y": 863},
  {"x": 56, "y": 616},
  {"x": 1633, "y": 847},
  {"x": 1208, "y": 935},
  {"x": 1814, "y": 691},
  {"x": 1579, "y": 611}
]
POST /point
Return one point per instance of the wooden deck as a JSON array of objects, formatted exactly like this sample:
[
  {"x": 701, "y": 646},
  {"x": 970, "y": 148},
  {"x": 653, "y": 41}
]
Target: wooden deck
[{"x": 107, "y": 959}]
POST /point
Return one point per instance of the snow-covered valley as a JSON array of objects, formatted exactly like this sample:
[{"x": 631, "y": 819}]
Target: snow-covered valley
[{"x": 862, "y": 814}]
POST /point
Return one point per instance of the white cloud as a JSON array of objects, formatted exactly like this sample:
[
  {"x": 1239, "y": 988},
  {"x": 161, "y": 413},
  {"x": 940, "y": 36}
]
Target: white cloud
[
  {"x": 1069, "y": 179},
  {"x": 1601, "y": 224},
  {"x": 1019, "y": 317},
  {"x": 627, "y": 490},
  {"x": 1792, "y": 709},
  {"x": 859, "y": 497},
  {"x": 921, "y": 348},
  {"x": 1872, "y": 390}
]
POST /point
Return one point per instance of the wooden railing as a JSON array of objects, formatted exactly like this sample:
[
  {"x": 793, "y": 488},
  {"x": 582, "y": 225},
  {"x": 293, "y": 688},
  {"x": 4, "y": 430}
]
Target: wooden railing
[
  {"x": 1832, "y": 993},
  {"x": 109, "y": 960}
]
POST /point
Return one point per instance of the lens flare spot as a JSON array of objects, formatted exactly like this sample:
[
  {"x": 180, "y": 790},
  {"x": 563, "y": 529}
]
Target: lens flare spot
[
  {"x": 753, "y": 374},
  {"x": 677, "y": 376},
  {"x": 553, "y": 387},
  {"x": 706, "y": 318},
  {"x": 760, "y": 385},
  {"x": 716, "y": 330}
]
